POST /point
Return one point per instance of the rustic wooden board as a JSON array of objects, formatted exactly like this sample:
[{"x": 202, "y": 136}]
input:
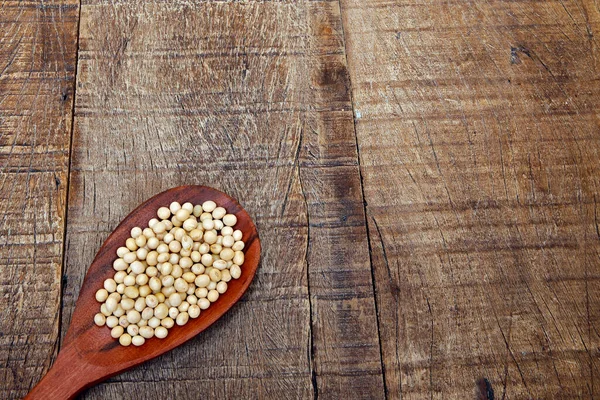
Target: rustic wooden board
[
  {"x": 478, "y": 133},
  {"x": 37, "y": 71},
  {"x": 252, "y": 99}
]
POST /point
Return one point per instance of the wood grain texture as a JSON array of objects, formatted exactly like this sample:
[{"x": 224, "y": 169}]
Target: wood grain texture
[
  {"x": 252, "y": 99},
  {"x": 478, "y": 130},
  {"x": 37, "y": 64}
]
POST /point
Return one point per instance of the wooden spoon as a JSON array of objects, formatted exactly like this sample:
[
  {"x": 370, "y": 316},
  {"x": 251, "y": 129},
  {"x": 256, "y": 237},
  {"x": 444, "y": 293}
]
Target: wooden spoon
[{"x": 89, "y": 354}]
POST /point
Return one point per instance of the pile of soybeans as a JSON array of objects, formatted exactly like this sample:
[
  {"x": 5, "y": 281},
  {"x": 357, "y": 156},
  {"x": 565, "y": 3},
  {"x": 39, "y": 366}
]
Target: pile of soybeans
[{"x": 170, "y": 271}]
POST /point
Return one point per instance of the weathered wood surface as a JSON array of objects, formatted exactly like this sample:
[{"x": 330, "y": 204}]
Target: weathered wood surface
[
  {"x": 252, "y": 99},
  {"x": 37, "y": 72},
  {"x": 478, "y": 131}
]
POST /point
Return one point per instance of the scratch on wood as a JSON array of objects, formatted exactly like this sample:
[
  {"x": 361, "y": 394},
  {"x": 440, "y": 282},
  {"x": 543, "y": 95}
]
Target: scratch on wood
[{"x": 311, "y": 344}]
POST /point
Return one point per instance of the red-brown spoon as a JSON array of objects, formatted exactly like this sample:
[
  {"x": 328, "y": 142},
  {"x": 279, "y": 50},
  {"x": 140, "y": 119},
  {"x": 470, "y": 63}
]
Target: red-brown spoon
[{"x": 89, "y": 354}]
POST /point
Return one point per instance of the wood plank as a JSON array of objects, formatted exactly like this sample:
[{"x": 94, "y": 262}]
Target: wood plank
[
  {"x": 253, "y": 99},
  {"x": 37, "y": 73},
  {"x": 477, "y": 126}
]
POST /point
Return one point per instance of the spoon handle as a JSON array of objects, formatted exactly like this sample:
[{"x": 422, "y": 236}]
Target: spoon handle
[{"x": 66, "y": 378}]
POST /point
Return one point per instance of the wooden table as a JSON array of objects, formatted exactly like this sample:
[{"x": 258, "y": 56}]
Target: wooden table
[{"x": 424, "y": 177}]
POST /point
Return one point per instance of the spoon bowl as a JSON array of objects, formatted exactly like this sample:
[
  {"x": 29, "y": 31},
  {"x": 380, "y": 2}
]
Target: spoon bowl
[{"x": 89, "y": 354}]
